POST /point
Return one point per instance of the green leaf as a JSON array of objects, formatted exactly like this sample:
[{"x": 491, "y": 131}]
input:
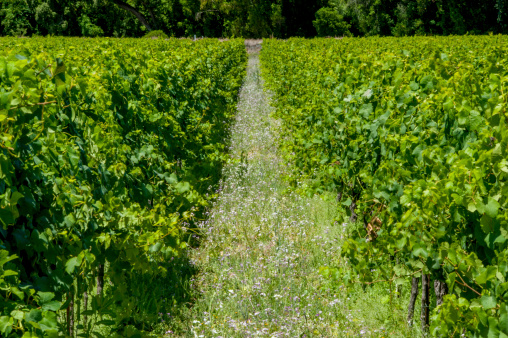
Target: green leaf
[
  {"x": 15, "y": 197},
  {"x": 30, "y": 75},
  {"x": 471, "y": 207},
  {"x": 417, "y": 152},
  {"x": 414, "y": 86},
  {"x": 59, "y": 73},
  {"x": 34, "y": 315},
  {"x": 6, "y": 217},
  {"x": 73, "y": 157},
  {"x": 52, "y": 306},
  {"x": 71, "y": 265},
  {"x": 487, "y": 274},
  {"x": 503, "y": 319},
  {"x": 486, "y": 224},
  {"x": 492, "y": 207},
  {"x": 70, "y": 220},
  {"x": 347, "y": 202},
  {"x": 497, "y": 153},
  {"x": 45, "y": 297},
  {"x": 4, "y": 257},
  {"x": 83, "y": 85},
  {"x": 156, "y": 247},
  {"x": 49, "y": 324},
  {"x": 18, "y": 315},
  {"x": 488, "y": 302},
  {"x": 420, "y": 251},
  {"x": 366, "y": 110},
  {"x": 427, "y": 82},
  {"x": 182, "y": 187},
  {"x": 475, "y": 120},
  {"x": 493, "y": 328},
  {"x": 6, "y": 325},
  {"x": 401, "y": 243},
  {"x": 8, "y": 273},
  {"x": 173, "y": 179},
  {"x": 17, "y": 292}
]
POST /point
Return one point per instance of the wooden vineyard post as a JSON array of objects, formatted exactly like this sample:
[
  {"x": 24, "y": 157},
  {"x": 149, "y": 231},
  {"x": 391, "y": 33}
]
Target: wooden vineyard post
[
  {"x": 77, "y": 302},
  {"x": 100, "y": 279},
  {"x": 100, "y": 283},
  {"x": 414, "y": 293},
  {"x": 82, "y": 289},
  {"x": 441, "y": 289},
  {"x": 70, "y": 314},
  {"x": 353, "y": 216},
  {"x": 425, "y": 303},
  {"x": 85, "y": 307}
]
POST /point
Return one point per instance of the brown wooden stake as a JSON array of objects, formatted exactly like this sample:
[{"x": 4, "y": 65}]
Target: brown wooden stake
[
  {"x": 352, "y": 208},
  {"x": 412, "y": 300},
  {"x": 68, "y": 319},
  {"x": 441, "y": 289},
  {"x": 79, "y": 289},
  {"x": 77, "y": 313},
  {"x": 425, "y": 303},
  {"x": 85, "y": 307},
  {"x": 70, "y": 315},
  {"x": 100, "y": 279}
]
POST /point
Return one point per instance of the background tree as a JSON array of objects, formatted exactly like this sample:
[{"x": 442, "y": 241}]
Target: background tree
[
  {"x": 17, "y": 17},
  {"x": 409, "y": 17},
  {"x": 258, "y": 18},
  {"x": 252, "y": 18},
  {"x": 330, "y": 23}
]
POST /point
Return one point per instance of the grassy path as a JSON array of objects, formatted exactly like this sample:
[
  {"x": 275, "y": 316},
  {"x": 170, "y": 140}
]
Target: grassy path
[{"x": 264, "y": 246}]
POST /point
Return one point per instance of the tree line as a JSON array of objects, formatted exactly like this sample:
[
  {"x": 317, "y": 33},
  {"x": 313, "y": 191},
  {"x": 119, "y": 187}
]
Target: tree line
[{"x": 252, "y": 18}]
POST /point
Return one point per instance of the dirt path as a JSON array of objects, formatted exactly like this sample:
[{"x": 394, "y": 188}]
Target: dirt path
[
  {"x": 264, "y": 246},
  {"x": 258, "y": 261}
]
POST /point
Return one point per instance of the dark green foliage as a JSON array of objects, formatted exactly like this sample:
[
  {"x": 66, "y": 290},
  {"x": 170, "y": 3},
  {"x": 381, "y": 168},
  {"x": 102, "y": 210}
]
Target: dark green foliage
[
  {"x": 88, "y": 28},
  {"x": 330, "y": 23},
  {"x": 252, "y": 18},
  {"x": 17, "y": 18},
  {"x": 46, "y": 17},
  {"x": 408, "y": 17},
  {"x": 67, "y": 18}
]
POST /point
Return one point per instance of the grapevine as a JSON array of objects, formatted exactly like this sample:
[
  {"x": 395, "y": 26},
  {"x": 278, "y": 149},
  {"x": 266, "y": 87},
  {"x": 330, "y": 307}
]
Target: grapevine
[
  {"x": 411, "y": 135},
  {"x": 107, "y": 149}
]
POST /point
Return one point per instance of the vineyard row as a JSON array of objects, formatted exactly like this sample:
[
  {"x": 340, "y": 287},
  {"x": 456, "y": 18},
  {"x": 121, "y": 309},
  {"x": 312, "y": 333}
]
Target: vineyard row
[
  {"x": 108, "y": 148},
  {"x": 411, "y": 136}
]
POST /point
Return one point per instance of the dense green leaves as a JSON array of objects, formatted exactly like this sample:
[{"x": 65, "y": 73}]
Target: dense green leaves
[
  {"x": 119, "y": 18},
  {"x": 407, "y": 17},
  {"x": 411, "y": 134},
  {"x": 252, "y": 18},
  {"x": 108, "y": 148},
  {"x": 330, "y": 23}
]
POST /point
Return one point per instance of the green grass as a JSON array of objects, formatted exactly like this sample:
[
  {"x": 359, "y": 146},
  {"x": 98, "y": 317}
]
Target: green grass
[{"x": 263, "y": 247}]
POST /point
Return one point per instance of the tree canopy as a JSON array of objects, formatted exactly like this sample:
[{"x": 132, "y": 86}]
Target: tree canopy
[{"x": 252, "y": 18}]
